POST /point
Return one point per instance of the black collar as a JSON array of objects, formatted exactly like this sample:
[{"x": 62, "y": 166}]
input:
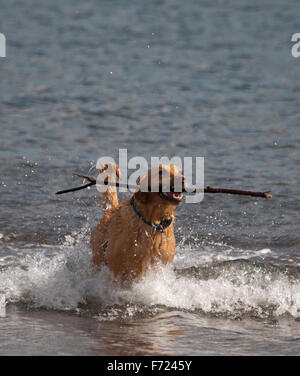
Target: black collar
[{"x": 158, "y": 226}]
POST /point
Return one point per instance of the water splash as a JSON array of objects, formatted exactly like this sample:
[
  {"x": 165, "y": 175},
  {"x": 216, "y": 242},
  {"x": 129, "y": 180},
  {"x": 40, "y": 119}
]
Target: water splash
[
  {"x": 63, "y": 278},
  {"x": 2, "y": 306}
]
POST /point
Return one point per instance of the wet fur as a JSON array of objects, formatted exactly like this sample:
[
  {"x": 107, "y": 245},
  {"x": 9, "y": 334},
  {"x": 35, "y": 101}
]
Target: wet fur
[{"x": 126, "y": 244}]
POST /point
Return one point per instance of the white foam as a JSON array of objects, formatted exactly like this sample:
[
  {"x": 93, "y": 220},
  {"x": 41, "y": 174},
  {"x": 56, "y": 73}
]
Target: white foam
[
  {"x": 2, "y": 306},
  {"x": 187, "y": 256},
  {"x": 220, "y": 295},
  {"x": 64, "y": 277}
]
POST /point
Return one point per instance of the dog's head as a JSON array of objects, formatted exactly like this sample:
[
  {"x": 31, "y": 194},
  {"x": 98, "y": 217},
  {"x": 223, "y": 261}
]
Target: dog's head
[{"x": 161, "y": 185}]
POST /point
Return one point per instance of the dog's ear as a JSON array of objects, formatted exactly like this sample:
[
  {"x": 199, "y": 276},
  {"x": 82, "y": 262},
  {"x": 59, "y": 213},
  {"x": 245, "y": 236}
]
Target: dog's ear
[{"x": 142, "y": 197}]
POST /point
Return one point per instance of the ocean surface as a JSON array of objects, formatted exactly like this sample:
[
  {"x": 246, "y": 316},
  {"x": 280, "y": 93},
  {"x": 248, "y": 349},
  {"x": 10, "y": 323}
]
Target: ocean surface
[{"x": 214, "y": 79}]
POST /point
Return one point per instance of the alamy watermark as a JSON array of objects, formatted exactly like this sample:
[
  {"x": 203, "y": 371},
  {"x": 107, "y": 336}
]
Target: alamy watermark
[
  {"x": 2, "y": 45},
  {"x": 296, "y": 47},
  {"x": 189, "y": 175}
]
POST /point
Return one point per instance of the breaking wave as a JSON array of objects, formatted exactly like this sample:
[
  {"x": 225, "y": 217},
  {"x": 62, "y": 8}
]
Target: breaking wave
[{"x": 219, "y": 283}]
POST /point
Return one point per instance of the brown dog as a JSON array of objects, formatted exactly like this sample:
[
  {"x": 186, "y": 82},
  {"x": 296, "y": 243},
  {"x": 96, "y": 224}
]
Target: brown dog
[{"x": 138, "y": 232}]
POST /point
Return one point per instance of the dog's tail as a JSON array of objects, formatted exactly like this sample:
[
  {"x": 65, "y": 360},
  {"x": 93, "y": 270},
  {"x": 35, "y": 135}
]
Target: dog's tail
[{"x": 109, "y": 198}]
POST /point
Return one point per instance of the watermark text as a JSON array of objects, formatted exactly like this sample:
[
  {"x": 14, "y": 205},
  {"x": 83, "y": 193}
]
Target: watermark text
[
  {"x": 296, "y": 47},
  {"x": 2, "y": 45},
  {"x": 185, "y": 175}
]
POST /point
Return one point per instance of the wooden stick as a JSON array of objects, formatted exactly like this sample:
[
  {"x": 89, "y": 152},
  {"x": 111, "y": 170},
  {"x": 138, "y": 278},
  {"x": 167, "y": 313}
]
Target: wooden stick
[
  {"x": 74, "y": 189},
  {"x": 208, "y": 189},
  {"x": 237, "y": 192}
]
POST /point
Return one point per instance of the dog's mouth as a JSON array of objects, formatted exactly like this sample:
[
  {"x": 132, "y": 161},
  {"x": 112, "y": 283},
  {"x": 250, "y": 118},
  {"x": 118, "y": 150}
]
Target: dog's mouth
[{"x": 172, "y": 196}]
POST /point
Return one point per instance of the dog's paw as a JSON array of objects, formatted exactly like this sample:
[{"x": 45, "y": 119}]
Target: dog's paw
[{"x": 111, "y": 170}]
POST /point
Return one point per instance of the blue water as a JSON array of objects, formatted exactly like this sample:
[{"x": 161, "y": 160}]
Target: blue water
[{"x": 196, "y": 78}]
